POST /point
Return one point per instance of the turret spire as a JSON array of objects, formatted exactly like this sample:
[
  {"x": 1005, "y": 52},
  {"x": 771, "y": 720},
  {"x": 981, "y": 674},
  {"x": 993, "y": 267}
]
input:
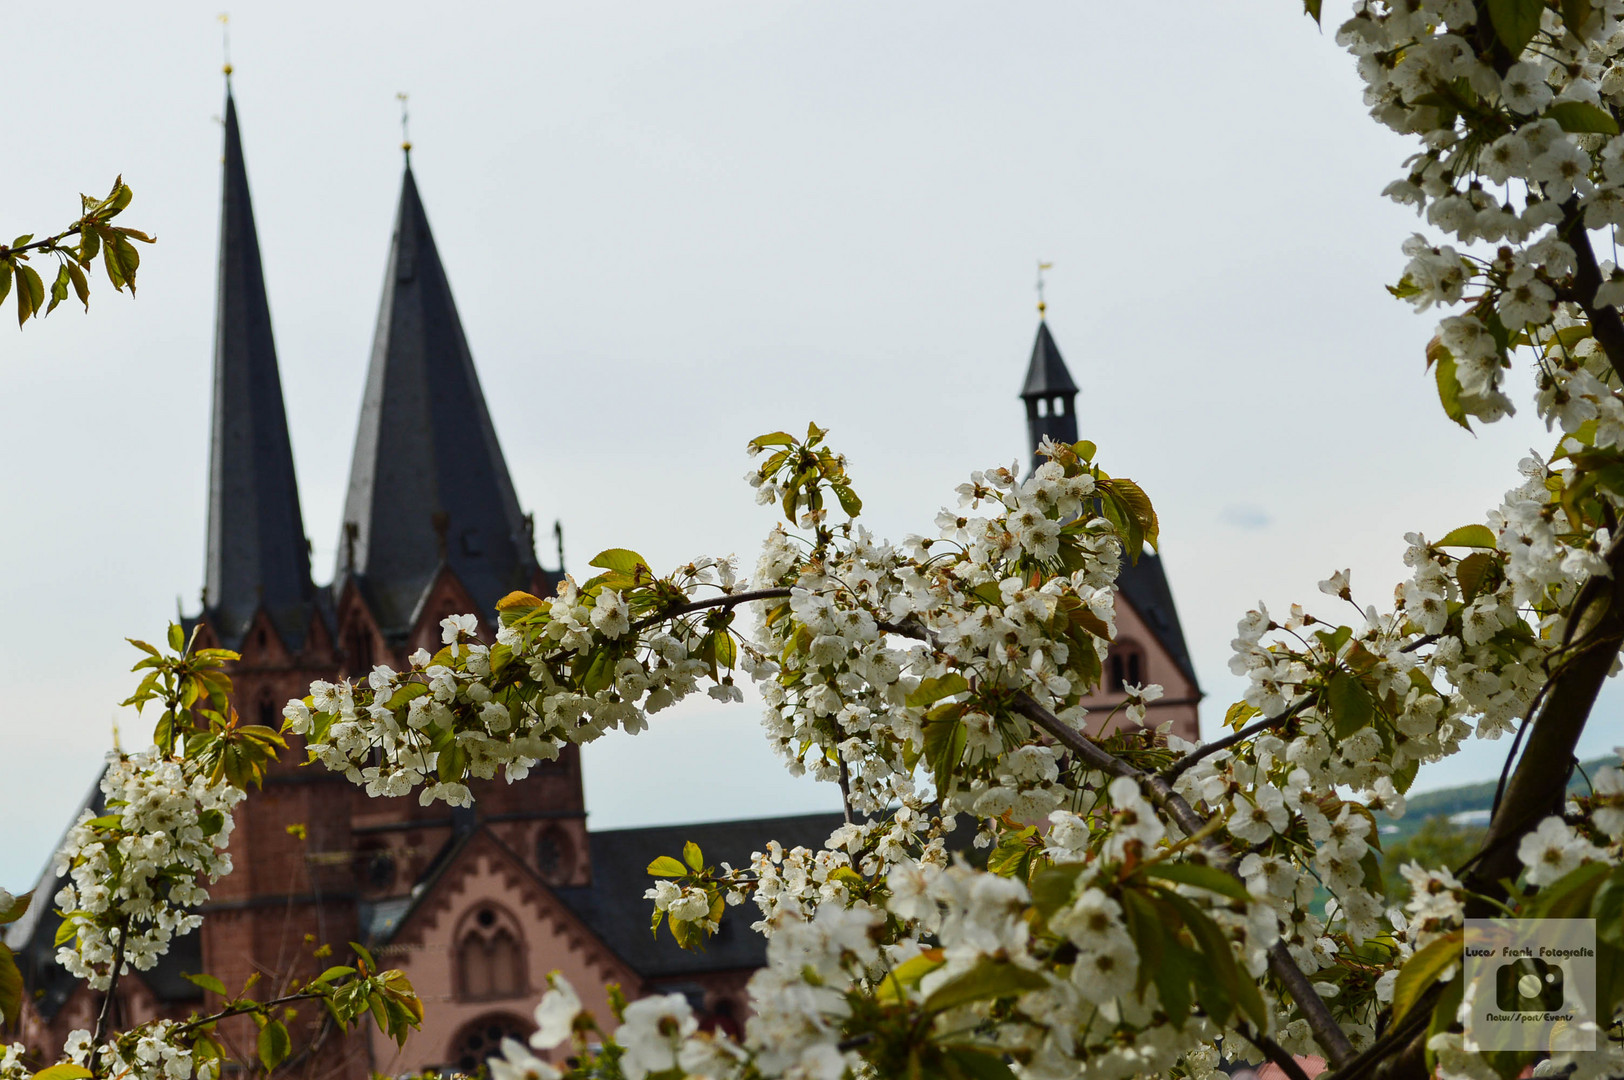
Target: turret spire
[
  {"x": 429, "y": 487},
  {"x": 1049, "y": 393},
  {"x": 257, "y": 555}
]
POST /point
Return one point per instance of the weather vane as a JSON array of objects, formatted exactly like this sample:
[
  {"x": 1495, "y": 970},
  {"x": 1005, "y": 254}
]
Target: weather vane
[
  {"x": 405, "y": 133},
  {"x": 1042, "y": 266},
  {"x": 225, "y": 42}
]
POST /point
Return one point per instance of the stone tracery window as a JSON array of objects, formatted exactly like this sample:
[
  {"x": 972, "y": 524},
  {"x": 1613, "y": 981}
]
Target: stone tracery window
[{"x": 490, "y": 955}]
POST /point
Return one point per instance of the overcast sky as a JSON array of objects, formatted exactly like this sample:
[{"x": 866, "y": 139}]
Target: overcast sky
[{"x": 670, "y": 227}]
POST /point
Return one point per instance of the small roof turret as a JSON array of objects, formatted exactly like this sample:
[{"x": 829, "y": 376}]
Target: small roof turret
[{"x": 1047, "y": 373}]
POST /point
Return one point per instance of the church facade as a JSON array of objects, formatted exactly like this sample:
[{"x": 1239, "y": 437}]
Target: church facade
[{"x": 476, "y": 905}]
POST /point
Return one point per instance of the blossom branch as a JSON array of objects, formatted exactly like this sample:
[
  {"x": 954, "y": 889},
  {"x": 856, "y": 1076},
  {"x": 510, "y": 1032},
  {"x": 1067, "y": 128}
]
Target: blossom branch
[
  {"x": 1177, "y": 769},
  {"x": 1326, "y": 1030}
]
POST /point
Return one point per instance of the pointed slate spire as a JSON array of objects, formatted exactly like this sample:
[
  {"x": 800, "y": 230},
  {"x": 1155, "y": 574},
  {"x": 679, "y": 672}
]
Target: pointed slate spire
[
  {"x": 428, "y": 486},
  {"x": 1050, "y": 395},
  {"x": 257, "y": 553},
  {"x": 1051, "y": 399}
]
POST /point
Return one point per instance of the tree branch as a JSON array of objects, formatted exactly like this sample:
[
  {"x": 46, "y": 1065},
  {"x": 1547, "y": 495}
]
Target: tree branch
[
  {"x": 726, "y": 601},
  {"x": 1175, "y": 770}
]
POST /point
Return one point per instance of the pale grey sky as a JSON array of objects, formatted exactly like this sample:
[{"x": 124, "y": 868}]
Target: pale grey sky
[{"x": 673, "y": 226}]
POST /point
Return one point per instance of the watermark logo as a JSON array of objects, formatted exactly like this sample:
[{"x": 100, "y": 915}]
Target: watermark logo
[{"x": 1530, "y": 984}]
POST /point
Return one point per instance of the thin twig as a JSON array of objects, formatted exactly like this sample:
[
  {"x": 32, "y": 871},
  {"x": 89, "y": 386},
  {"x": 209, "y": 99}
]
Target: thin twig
[
  {"x": 1174, "y": 771},
  {"x": 725, "y": 601},
  {"x": 107, "y": 1001},
  {"x": 1273, "y": 1051}
]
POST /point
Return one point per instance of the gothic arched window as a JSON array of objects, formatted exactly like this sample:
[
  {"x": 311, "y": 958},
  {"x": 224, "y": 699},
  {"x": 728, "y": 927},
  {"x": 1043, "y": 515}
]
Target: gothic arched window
[
  {"x": 1124, "y": 667},
  {"x": 490, "y": 955}
]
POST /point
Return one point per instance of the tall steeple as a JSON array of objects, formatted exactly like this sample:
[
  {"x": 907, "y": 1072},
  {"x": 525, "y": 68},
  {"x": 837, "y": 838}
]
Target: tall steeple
[
  {"x": 429, "y": 487},
  {"x": 257, "y": 552}
]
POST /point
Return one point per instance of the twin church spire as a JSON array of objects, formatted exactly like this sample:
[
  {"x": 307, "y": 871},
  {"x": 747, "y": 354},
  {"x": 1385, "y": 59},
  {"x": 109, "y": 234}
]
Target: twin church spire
[{"x": 429, "y": 488}]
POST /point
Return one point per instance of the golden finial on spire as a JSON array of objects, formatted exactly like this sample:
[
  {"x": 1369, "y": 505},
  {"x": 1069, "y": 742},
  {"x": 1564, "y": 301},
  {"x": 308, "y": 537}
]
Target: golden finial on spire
[
  {"x": 225, "y": 43},
  {"x": 405, "y": 132},
  {"x": 1042, "y": 266}
]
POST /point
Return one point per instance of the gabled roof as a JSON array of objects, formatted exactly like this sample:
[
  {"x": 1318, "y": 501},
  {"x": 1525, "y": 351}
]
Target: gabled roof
[
  {"x": 257, "y": 554},
  {"x": 613, "y": 905},
  {"x": 1047, "y": 373},
  {"x": 428, "y": 484}
]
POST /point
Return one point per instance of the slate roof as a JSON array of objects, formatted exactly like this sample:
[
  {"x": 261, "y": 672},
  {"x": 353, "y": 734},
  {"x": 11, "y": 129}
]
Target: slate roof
[
  {"x": 257, "y": 554},
  {"x": 1047, "y": 373},
  {"x": 428, "y": 483},
  {"x": 613, "y": 905}
]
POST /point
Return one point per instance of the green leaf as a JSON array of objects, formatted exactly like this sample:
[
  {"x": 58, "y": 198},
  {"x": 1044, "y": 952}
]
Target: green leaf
[
  {"x": 933, "y": 690},
  {"x": 1569, "y": 896},
  {"x": 1473, "y": 573},
  {"x": 692, "y": 856},
  {"x": 177, "y": 637},
  {"x": 274, "y": 1044},
  {"x": 18, "y": 908},
  {"x": 977, "y": 1064},
  {"x": 452, "y": 763},
  {"x": 1443, "y": 1016},
  {"x": 1449, "y": 389},
  {"x": 336, "y": 972},
  {"x": 405, "y": 694},
  {"x": 1576, "y": 16},
  {"x": 1311, "y": 8},
  {"x": 849, "y": 502},
  {"x": 5, "y": 279},
  {"x": 1351, "y": 705},
  {"x": 776, "y": 438},
  {"x": 366, "y": 957},
  {"x": 30, "y": 293},
  {"x": 1608, "y": 909},
  {"x": 626, "y": 562},
  {"x": 1515, "y": 22},
  {"x": 1237, "y": 990},
  {"x": 944, "y": 745},
  {"x": 207, "y": 982},
  {"x": 211, "y": 822},
  {"x": 1423, "y": 969},
  {"x": 988, "y": 979},
  {"x": 81, "y": 287},
  {"x": 666, "y": 866},
  {"x": 11, "y": 990},
  {"x": 1475, "y": 536},
  {"x": 1581, "y": 116},
  {"x": 59, "y": 288},
  {"x": 1053, "y": 887},
  {"x": 1205, "y": 877},
  {"x": 64, "y": 1070}
]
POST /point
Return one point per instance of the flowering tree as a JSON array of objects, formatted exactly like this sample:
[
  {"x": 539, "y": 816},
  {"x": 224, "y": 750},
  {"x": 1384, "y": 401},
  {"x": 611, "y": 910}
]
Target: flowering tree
[
  {"x": 138, "y": 871},
  {"x": 1146, "y": 906}
]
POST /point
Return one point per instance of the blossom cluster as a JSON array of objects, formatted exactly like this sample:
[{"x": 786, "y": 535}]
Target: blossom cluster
[{"x": 137, "y": 871}]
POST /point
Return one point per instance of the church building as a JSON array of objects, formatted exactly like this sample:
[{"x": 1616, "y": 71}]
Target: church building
[{"x": 475, "y": 905}]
